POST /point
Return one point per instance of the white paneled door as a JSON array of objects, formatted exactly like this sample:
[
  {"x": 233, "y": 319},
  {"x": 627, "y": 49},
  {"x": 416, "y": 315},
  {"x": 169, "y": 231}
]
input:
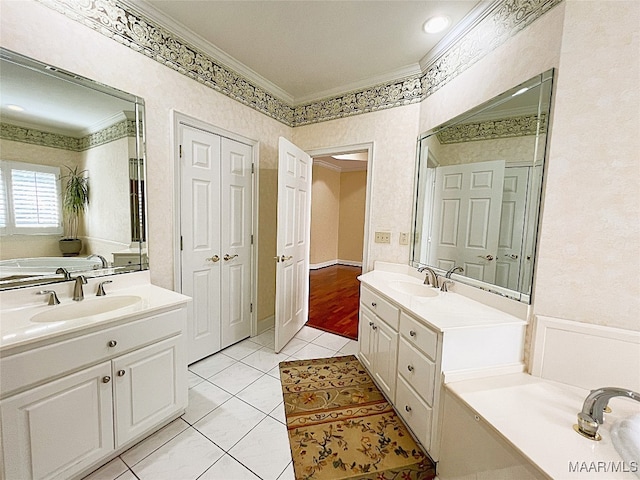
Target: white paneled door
[
  {"x": 466, "y": 221},
  {"x": 292, "y": 244},
  {"x": 215, "y": 225}
]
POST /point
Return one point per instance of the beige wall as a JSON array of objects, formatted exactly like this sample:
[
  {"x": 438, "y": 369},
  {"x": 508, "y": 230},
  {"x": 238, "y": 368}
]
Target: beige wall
[
  {"x": 353, "y": 193},
  {"x": 34, "y": 30},
  {"x": 589, "y": 250},
  {"x": 337, "y": 216},
  {"x": 107, "y": 223},
  {"x": 325, "y": 215}
]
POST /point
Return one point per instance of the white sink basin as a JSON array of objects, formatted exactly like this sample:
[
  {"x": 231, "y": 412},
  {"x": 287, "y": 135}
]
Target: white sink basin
[
  {"x": 414, "y": 289},
  {"x": 625, "y": 436},
  {"x": 86, "y": 308}
]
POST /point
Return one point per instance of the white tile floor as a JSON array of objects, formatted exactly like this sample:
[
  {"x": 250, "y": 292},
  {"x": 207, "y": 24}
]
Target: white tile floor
[{"x": 234, "y": 426}]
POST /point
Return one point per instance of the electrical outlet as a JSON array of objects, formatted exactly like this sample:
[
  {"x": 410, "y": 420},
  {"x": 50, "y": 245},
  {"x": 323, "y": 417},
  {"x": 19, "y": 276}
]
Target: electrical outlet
[
  {"x": 383, "y": 237},
  {"x": 404, "y": 238}
]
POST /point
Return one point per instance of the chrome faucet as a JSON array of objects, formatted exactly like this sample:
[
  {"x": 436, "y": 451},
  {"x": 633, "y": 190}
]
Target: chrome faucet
[
  {"x": 453, "y": 270},
  {"x": 64, "y": 271},
  {"x": 592, "y": 414},
  {"x": 430, "y": 273},
  {"x": 78, "y": 293},
  {"x": 103, "y": 260}
]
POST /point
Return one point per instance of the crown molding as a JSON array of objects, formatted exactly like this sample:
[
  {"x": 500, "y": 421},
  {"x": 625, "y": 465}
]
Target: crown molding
[
  {"x": 473, "y": 18},
  {"x": 125, "y": 21},
  {"x": 359, "y": 166},
  {"x": 367, "y": 83},
  {"x": 207, "y": 47}
]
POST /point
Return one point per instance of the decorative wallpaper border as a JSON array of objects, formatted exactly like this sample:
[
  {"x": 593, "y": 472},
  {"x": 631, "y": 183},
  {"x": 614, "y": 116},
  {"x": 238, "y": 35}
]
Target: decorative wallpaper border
[
  {"x": 132, "y": 29},
  {"x": 490, "y": 129},
  {"x": 126, "y": 128}
]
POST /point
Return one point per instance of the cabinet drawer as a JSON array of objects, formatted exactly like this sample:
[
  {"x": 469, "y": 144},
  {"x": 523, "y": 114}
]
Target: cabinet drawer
[
  {"x": 385, "y": 310},
  {"x": 415, "y": 412},
  {"x": 51, "y": 361},
  {"x": 417, "y": 370},
  {"x": 419, "y": 335}
]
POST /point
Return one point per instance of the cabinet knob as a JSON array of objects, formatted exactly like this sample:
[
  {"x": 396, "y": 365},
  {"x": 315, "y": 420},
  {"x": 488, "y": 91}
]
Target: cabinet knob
[
  {"x": 121, "y": 373},
  {"x": 412, "y": 333},
  {"x": 374, "y": 304},
  {"x": 410, "y": 368},
  {"x": 374, "y": 327},
  {"x": 371, "y": 324},
  {"x": 407, "y": 408},
  {"x": 106, "y": 379},
  {"x": 112, "y": 343}
]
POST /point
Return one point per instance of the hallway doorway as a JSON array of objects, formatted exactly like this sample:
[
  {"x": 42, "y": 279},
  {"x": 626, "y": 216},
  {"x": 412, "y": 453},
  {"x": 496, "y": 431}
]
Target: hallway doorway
[{"x": 338, "y": 238}]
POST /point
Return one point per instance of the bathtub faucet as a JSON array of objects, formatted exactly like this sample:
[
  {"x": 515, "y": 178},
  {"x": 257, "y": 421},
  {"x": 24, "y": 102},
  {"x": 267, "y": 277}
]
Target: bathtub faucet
[
  {"x": 592, "y": 414},
  {"x": 64, "y": 271},
  {"x": 102, "y": 259}
]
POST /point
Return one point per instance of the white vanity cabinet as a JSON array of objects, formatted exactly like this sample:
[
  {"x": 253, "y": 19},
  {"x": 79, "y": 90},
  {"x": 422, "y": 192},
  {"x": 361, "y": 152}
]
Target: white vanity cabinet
[
  {"x": 379, "y": 339},
  {"x": 68, "y": 405},
  {"x": 428, "y": 338},
  {"x": 401, "y": 354}
]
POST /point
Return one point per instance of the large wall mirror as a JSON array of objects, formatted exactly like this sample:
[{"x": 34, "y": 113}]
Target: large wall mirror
[
  {"x": 54, "y": 123},
  {"x": 478, "y": 190}
]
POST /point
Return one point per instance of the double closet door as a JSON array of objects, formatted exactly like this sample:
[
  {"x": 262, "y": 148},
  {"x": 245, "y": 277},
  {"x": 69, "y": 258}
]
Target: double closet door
[{"x": 216, "y": 238}]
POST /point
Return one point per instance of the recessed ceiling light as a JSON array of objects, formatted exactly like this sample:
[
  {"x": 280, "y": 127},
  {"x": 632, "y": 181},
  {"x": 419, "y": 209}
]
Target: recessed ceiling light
[
  {"x": 15, "y": 108},
  {"x": 436, "y": 24}
]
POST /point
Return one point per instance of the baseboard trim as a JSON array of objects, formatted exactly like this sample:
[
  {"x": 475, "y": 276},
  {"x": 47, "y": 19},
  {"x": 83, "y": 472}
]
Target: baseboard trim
[
  {"x": 330, "y": 263},
  {"x": 265, "y": 324}
]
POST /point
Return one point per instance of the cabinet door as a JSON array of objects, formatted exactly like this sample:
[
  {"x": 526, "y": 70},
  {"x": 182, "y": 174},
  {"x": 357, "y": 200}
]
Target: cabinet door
[
  {"x": 60, "y": 428},
  {"x": 366, "y": 338},
  {"x": 385, "y": 358},
  {"x": 149, "y": 386}
]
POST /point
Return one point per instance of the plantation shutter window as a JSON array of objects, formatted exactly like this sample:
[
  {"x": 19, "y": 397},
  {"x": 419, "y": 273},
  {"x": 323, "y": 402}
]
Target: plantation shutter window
[{"x": 30, "y": 199}]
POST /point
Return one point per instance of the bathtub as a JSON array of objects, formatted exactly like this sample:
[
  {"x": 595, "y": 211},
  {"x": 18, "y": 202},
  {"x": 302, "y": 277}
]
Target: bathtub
[{"x": 39, "y": 266}]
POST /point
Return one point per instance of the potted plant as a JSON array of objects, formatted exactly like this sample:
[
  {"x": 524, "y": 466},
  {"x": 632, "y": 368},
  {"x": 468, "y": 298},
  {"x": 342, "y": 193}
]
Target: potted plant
[{"x": 75, "y": 198}]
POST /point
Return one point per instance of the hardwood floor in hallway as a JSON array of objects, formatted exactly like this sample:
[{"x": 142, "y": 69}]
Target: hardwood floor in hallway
[{"x": 334, "y": 298}]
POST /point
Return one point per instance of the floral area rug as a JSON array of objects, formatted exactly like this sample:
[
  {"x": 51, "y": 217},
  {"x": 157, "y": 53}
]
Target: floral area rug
[{"x": 341, "y": 426}]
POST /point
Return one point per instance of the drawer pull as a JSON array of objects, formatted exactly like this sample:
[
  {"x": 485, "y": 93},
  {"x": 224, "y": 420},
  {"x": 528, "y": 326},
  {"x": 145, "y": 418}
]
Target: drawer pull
[
  {"x": 407, "y": 408},
  {"x": 121, "y": 373},
  {"x": 106, "y": 379},
  {"x": 412, "y": 333},
  {"x": 112, "y": 343},
  {"x": 374, "y": 304},
  {"x": 410, "y": 368}
]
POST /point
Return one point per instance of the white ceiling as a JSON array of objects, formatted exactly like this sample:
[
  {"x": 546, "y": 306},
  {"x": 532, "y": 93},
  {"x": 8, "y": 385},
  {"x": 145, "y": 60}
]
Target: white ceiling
[{"x": 310, "y": 49}]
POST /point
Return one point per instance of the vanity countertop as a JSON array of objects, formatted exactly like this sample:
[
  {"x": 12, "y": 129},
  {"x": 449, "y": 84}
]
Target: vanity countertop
[
  {"x": 18, "y": 331},
  {"x": 537, "y": 415},
  {"x": 446, "y": 311}
]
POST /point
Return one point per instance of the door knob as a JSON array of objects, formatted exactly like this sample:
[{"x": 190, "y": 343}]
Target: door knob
[
  {"x": 213, "y": 259},
  {"x": 284, "y": 258},
  {"x": 228, "y": 257},
  {"x": 486, "y": 257},
  {"x": 512, "y": 256}
]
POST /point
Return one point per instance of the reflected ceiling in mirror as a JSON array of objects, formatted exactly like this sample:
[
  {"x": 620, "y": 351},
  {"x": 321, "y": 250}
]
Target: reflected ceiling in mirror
[
  {"x": 51, "y": 121},
  {"x": 478, "y": 189}
]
